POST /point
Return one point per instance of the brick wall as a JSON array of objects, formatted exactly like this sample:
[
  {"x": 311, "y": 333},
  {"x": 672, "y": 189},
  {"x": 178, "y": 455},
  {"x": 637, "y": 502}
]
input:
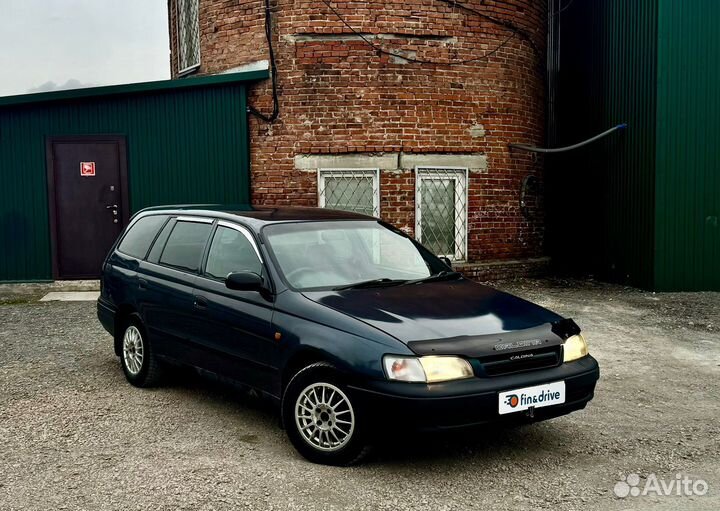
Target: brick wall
[{"x": 338, "y": 96}]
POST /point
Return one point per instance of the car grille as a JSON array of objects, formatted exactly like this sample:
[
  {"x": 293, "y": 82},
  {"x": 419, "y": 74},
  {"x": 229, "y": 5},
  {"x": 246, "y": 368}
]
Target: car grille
[{"x": 541, "y": 358}]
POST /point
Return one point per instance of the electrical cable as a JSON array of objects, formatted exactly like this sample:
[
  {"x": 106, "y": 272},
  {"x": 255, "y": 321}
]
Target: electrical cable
[
  {"x": 528, "y": 185},
  {"x": 533, "y": 149},
  {"x": 561, "y": 9},
  {"x": 273, "y": 72},
  {"x": 502, "y": 23},
  {"x": 514, "y": 31},
  {"x": 381, "y": 50}
]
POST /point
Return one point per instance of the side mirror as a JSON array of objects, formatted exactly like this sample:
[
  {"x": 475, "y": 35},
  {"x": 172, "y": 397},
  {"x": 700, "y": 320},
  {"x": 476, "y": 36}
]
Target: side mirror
[
  {"x": 446, "y": 260},
  {"x": 244, "y": 281}
]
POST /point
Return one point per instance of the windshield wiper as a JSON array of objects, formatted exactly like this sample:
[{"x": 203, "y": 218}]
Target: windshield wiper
[
  {"x": 371, "y": 283},
  {"x": 443, "y": 275}
]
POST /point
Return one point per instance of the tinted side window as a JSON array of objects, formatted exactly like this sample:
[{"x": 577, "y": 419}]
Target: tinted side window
[
  {"x": 157, "y": 248},
  {"x": 231, "y": 251},
  {"x": 138, "y": 239},
  {"x": 185, "y": 245}
]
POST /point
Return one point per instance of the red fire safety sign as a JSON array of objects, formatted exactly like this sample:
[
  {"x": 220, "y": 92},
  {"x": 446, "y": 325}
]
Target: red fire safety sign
[{"x": 87, "y": 168}]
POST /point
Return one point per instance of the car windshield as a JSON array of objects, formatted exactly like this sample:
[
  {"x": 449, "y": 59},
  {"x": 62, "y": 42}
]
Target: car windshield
[{"x": 337, "y": 254}]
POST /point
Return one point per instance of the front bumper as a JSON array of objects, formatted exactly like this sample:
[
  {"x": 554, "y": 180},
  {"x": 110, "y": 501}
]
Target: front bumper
[{"x": 473, "y": 401}]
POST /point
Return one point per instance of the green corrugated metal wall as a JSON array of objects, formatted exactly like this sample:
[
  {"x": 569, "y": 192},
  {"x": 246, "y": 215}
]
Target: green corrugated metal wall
[
  {"x": 184, "y": 145},
  {"x": 688, "y": 146},
  {"x": 601, "y": 197},
  {"x": 642, "y": 206}
]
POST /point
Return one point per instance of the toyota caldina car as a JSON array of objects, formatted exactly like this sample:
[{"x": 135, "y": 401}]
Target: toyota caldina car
[{"x": 350, "y": 325}]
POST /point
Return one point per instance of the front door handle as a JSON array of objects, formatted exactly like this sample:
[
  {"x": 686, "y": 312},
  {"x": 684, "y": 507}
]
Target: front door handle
[
  {"x": 200, "y": 302},
  {"x": 111, "y": 206},
  {"x": 142, "y": 284}
]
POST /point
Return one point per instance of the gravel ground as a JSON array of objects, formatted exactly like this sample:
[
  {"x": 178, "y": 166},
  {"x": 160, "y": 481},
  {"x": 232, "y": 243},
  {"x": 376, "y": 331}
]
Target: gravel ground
[{"x": 75, "y": 435}]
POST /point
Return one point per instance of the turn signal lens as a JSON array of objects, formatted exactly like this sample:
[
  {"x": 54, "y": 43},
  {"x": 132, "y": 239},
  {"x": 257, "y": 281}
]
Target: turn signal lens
[
  {"x": 429, "y": 369},
  {"x": 574, "y": 348},
  {"x": 403, "y": 368}
]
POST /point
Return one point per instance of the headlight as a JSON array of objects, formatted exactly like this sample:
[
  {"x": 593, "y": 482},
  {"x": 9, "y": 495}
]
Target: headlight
[
  {"x": 428, "y": 369},
  {"x": 575, "y": 347}
]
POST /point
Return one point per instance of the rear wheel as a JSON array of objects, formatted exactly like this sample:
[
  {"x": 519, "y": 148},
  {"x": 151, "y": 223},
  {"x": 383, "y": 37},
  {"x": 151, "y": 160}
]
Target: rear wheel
[
  {"x": 321, "y": 419},
  {"x": 137, "y": 357}
]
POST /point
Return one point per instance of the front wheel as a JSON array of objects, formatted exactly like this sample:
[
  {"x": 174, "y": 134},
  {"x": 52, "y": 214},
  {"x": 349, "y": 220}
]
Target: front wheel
[{"x": 321, "y": 419}]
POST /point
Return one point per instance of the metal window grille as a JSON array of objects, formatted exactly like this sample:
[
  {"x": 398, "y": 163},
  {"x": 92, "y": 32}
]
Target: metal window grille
[
  {"x": 441, "y": 210},
  {"x": 356, "y": 190},
  {"x": 188, "y": 33}
]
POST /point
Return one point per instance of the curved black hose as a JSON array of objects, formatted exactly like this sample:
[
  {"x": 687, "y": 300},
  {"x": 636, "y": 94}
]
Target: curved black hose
[{"x": 533, "y": 149}]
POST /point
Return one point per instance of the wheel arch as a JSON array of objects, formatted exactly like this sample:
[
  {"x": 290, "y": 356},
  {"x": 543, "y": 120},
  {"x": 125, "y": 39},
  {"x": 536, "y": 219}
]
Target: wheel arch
[
  {"x": 303, "y": 357},
  {"x": 121, "y": 316}
]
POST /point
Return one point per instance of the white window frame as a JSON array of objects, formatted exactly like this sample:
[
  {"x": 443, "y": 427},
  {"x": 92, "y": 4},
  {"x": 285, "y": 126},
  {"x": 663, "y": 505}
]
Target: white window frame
[
  {"x": 178, "y": 38},
  {"x": 460, "y": 178},
  {"x": 373, "y": 173}
]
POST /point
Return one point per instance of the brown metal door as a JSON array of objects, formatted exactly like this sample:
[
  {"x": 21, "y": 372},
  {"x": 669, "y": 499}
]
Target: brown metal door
[{"x": 88, "y": 202}]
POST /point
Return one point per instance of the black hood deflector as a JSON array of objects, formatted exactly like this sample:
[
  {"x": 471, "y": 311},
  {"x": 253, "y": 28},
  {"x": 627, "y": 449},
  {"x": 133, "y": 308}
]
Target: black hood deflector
[{"x": 477, "y": 346}]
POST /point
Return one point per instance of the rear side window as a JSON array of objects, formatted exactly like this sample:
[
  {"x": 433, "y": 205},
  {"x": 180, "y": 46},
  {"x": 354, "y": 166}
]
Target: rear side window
[
  {"x": 157, "y": 248},
  {"x": 185, "y": 245},
  {"x": 138, "y": 239}
]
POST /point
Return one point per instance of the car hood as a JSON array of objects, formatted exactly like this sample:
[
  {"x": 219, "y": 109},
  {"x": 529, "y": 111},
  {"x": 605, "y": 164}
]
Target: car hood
[{"x": 437, "y": 310}]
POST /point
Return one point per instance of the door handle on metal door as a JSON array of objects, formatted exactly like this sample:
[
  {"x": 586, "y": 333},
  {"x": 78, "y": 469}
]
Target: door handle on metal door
[
  {"x": 114, "y": 208},
  {"x": 142, "y": 284},
  {"x": 200, "y": 302}
]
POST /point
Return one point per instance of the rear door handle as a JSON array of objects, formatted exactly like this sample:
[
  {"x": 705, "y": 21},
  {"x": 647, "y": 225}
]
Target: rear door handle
[
  {"x": 200, "y": 302},
  {"x": 142, "y": 284}
]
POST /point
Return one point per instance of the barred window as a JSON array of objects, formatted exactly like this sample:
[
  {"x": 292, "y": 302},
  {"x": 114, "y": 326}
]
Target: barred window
[
  {"x": 356, "y": 190},
  {"x": 188, "y": 35},
  {"x": 441, "y": 210}
]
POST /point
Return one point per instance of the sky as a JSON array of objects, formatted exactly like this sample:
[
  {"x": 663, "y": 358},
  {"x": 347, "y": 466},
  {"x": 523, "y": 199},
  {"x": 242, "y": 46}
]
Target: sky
[{"x": 61, "y": 44}]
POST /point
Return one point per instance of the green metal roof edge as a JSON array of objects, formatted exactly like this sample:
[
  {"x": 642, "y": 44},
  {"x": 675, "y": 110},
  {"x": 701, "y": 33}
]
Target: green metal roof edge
[{"x": 135, "y": 88}]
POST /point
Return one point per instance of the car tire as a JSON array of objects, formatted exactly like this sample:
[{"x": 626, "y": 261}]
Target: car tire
[
  {"x": 137, "y": 358},
  {"x": 321, "y": 419}
]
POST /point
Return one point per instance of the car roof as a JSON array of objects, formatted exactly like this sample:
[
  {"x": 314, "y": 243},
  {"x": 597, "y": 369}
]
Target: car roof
[{"x": 256, "y": 216}]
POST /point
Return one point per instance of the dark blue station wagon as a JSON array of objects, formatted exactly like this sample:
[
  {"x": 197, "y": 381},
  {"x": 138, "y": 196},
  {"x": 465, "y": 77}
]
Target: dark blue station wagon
[{"x": 346, "y": 322}]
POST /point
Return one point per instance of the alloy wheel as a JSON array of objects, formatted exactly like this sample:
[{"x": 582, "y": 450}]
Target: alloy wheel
[
  {"x": 133, "y": 350},
  {"x": 324, "y": 416}
]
